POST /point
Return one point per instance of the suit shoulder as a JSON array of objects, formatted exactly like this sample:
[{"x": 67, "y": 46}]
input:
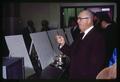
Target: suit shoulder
[{"x": 97, "y": 33}]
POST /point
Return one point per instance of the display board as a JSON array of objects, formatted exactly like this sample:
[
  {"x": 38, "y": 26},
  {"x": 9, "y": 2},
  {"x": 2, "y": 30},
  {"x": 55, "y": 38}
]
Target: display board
[{"x": 17, "y": 48}]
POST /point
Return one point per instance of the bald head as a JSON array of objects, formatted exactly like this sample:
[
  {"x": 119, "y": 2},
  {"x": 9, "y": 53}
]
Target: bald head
[
  {"x": 87, "y": 13},
  {"x": 85, "y": 19}
]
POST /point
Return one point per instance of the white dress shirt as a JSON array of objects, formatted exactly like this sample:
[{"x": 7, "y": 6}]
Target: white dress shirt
[{"x": 86, "y": 31}]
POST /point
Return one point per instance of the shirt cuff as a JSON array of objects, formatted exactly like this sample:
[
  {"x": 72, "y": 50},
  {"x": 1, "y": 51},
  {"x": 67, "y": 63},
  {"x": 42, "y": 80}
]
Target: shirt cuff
[{"x": 60, "y": 46}]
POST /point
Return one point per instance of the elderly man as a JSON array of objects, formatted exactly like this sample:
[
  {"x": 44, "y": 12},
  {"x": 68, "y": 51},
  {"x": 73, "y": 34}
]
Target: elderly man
[{"x": 88, "y": 52}]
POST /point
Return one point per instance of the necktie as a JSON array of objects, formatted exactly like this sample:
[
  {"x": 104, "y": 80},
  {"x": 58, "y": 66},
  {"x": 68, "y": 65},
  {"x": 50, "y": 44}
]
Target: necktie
[{"x": 81, "y": 35}]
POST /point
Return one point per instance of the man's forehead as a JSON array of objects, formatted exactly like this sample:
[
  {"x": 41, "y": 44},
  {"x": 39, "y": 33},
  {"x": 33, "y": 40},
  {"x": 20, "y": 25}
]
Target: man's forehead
[{"x": 84, "y": 13}]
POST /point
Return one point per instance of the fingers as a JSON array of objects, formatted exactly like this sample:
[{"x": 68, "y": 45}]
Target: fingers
[{"x": 60, "y": 39}]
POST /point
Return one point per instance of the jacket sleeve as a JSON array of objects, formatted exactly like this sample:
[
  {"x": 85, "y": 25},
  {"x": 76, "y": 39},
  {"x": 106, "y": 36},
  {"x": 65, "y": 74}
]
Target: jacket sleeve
[{"x": 65, "y": 49}]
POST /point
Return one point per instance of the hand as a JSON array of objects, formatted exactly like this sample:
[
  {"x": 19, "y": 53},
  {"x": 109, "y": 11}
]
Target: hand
[{"x": 60, "y": 40}]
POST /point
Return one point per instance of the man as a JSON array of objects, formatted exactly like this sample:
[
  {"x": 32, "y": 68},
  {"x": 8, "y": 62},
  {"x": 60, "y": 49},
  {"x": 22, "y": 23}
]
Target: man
[
  {"x": 45, "y": 25},
  {"x": 110, "y": 33},
  {"x": 87, "y": 54},
  {"x": 30, "y": 26}
]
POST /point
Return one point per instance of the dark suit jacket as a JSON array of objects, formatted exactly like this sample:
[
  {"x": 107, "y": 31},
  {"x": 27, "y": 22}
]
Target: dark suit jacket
[
  {"x": 87, "y": 56},
  {"x": 110, "y": 34}
]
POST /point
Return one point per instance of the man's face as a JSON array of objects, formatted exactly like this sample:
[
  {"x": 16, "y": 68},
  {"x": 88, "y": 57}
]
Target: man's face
[
  {"x": 103, "y": 24},
  {"x": 83, "y": 21}
]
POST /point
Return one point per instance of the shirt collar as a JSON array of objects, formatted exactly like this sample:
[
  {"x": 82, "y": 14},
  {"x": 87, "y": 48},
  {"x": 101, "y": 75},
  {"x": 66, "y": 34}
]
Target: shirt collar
[
  {"x": 107, "y": 24},
  {"x": 86, "y": 31}
]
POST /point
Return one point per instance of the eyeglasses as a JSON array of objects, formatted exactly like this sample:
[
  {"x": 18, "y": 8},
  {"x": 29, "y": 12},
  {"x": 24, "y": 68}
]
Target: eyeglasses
[{"x": 80, "y": 18}]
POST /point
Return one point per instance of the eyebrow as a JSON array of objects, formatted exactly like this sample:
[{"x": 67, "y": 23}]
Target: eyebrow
[{"x": 83, "y": 17}]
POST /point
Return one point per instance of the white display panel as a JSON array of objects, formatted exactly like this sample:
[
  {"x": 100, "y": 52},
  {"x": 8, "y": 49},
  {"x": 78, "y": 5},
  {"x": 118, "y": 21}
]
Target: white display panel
[
  {"x": 17, "y": 48},
  {"x": 4, "y": 73},
  {"x": 43, "y": 48},
  {"x": 69, "y": 35}
]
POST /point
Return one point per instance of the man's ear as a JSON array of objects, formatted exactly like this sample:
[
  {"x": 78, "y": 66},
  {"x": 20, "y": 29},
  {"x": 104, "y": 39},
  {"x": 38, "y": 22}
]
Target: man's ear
[
  {"x": 89, "y": 21},
  {"x": 103, "y": 23}
]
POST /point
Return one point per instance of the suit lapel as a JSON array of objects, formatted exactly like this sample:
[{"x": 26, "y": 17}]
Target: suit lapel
[{"x": 89, "y": 33}]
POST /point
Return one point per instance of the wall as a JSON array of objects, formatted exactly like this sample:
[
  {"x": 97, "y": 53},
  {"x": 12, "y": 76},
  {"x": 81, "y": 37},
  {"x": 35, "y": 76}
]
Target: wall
[{"x": 40, "y": 11}]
